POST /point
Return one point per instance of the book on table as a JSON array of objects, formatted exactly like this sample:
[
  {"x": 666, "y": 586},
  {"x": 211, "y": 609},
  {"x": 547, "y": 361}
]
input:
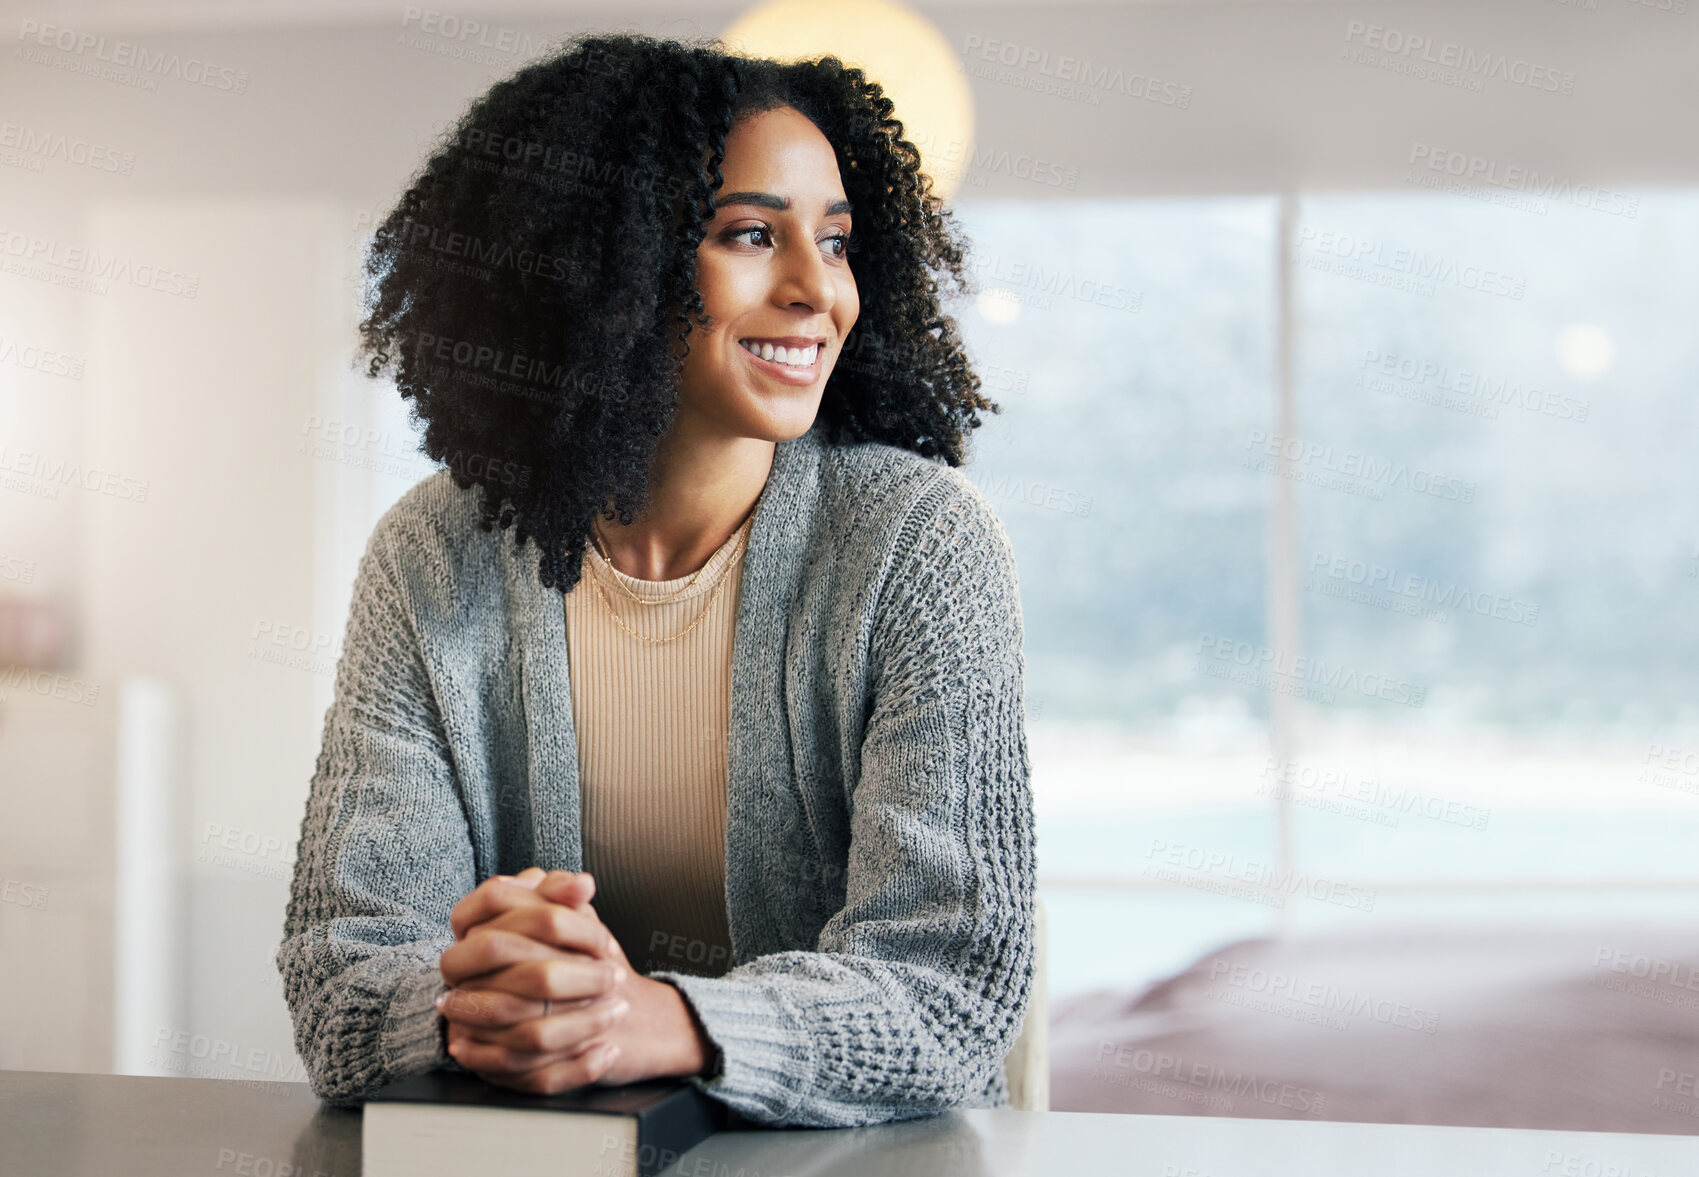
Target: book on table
[{"x": 451, "y": 1122}]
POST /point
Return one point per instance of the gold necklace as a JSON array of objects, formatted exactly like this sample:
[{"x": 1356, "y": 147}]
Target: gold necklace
[
  {"x": 719, "y": 587},
  {"x": 606, "y": 553},
  {"x": 601, "y": 544}
]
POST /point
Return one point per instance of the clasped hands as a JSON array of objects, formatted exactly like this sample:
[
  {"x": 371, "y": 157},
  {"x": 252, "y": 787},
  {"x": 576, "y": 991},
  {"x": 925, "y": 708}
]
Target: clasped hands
[{"x": 542, "y": 998}]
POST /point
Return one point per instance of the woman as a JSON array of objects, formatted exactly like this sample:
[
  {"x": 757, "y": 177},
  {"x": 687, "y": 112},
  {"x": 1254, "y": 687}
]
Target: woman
[{"x": 730, "y": 781}]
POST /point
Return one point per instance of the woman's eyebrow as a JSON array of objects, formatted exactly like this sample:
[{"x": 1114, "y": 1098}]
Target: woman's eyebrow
[{"x": 777, "y": 203}]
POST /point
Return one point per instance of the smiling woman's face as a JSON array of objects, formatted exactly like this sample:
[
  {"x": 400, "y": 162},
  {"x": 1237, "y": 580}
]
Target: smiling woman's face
[{"x": 773, "y": 272}]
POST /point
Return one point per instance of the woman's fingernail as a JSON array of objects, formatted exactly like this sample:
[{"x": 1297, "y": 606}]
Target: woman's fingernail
[{"x": 442, "y": 999}]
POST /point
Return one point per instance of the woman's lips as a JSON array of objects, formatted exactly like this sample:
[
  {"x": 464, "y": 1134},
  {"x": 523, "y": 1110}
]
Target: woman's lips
[{"x": 785, "y": 372}]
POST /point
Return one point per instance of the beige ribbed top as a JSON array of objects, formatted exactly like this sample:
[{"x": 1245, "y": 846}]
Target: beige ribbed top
[{"x": 651, "y": 721}]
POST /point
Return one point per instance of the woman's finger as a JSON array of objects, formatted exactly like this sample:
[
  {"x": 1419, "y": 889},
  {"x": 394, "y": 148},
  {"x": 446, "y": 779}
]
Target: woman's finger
[
  {"x": 488, "y": 951},
  {"x": 565, "y": 978},
  {"x": 480, "y": 1009},
  {"x": 574, "y": 890},
  {"x": 490, "y": 1059},
  {"x": 567, "y": 1032},
  {"x": 568, "y": 928},
  {"x": 487, "y": 1009},
  {"x": 531, "y": 886},
  {"x": 582, "y": 1071},
  {"x": 490, "y": 898}
]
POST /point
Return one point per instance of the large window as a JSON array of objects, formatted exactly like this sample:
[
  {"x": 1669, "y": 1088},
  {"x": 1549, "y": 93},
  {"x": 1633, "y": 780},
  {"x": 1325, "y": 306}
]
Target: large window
[{"x": 1474, "y": 491}]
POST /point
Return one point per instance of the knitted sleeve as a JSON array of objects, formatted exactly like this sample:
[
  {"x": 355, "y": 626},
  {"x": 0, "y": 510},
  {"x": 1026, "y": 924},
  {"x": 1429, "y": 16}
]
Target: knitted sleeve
[
  {"x": 919, "y": 983},
  {"x": 378, "y": 868}
]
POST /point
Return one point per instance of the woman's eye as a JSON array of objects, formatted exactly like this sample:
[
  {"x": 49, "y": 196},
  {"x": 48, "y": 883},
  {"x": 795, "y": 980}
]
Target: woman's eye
[
  {"x": 765, "y": 236},
  {"x": 736, "y": 233}
]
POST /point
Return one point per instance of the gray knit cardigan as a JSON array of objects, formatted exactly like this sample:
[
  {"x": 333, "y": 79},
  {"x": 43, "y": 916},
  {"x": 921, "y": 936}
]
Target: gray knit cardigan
[{"x": 879, "y": 840}]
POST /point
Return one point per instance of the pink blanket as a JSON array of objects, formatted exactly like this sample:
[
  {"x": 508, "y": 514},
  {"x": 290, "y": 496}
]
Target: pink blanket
[{"x": 1590, "y": 1028}]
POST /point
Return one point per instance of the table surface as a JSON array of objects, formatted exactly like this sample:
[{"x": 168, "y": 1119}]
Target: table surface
[{"x": 110, "y": 1125}]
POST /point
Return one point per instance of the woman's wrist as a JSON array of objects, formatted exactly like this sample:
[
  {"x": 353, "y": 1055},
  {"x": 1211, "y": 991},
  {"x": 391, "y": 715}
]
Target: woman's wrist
[{"x": 696, "y": 1052}]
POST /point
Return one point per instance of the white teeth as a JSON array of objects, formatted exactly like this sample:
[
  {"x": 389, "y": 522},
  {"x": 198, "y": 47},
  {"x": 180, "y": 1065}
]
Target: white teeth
[{"x": 794, "y": 357}]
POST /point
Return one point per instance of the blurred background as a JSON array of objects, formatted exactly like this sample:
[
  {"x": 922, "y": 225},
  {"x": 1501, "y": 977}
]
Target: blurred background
[{"x": 1348, "y": 356}]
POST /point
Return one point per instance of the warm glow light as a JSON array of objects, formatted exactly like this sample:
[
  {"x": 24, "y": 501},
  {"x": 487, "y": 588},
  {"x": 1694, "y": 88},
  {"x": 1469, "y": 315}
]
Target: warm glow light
[
  {"x": 999, "y": 306},
  {"x": 1584, "y": 350},
  {"x": 897, "y": 47}
]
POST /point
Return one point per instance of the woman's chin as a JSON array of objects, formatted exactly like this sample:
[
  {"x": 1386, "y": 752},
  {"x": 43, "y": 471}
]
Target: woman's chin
[{"x": 782, "y": 417}]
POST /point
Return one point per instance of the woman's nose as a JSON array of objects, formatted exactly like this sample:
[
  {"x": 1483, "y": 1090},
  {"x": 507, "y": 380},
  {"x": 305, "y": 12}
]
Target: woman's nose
[{"x": 806, "y": 279}]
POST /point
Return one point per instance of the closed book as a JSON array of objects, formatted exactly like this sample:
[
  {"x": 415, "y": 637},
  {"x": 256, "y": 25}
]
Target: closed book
[{"x": 454, "y": 1124}]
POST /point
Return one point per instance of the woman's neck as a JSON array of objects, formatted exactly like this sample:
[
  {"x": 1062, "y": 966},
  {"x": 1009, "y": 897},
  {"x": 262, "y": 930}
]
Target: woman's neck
[{"x": 701, "y": 490}]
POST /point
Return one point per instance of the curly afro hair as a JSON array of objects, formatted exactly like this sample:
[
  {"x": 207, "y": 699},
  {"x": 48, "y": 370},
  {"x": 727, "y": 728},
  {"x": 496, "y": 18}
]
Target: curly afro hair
[{"x": 534, "y": 288}]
